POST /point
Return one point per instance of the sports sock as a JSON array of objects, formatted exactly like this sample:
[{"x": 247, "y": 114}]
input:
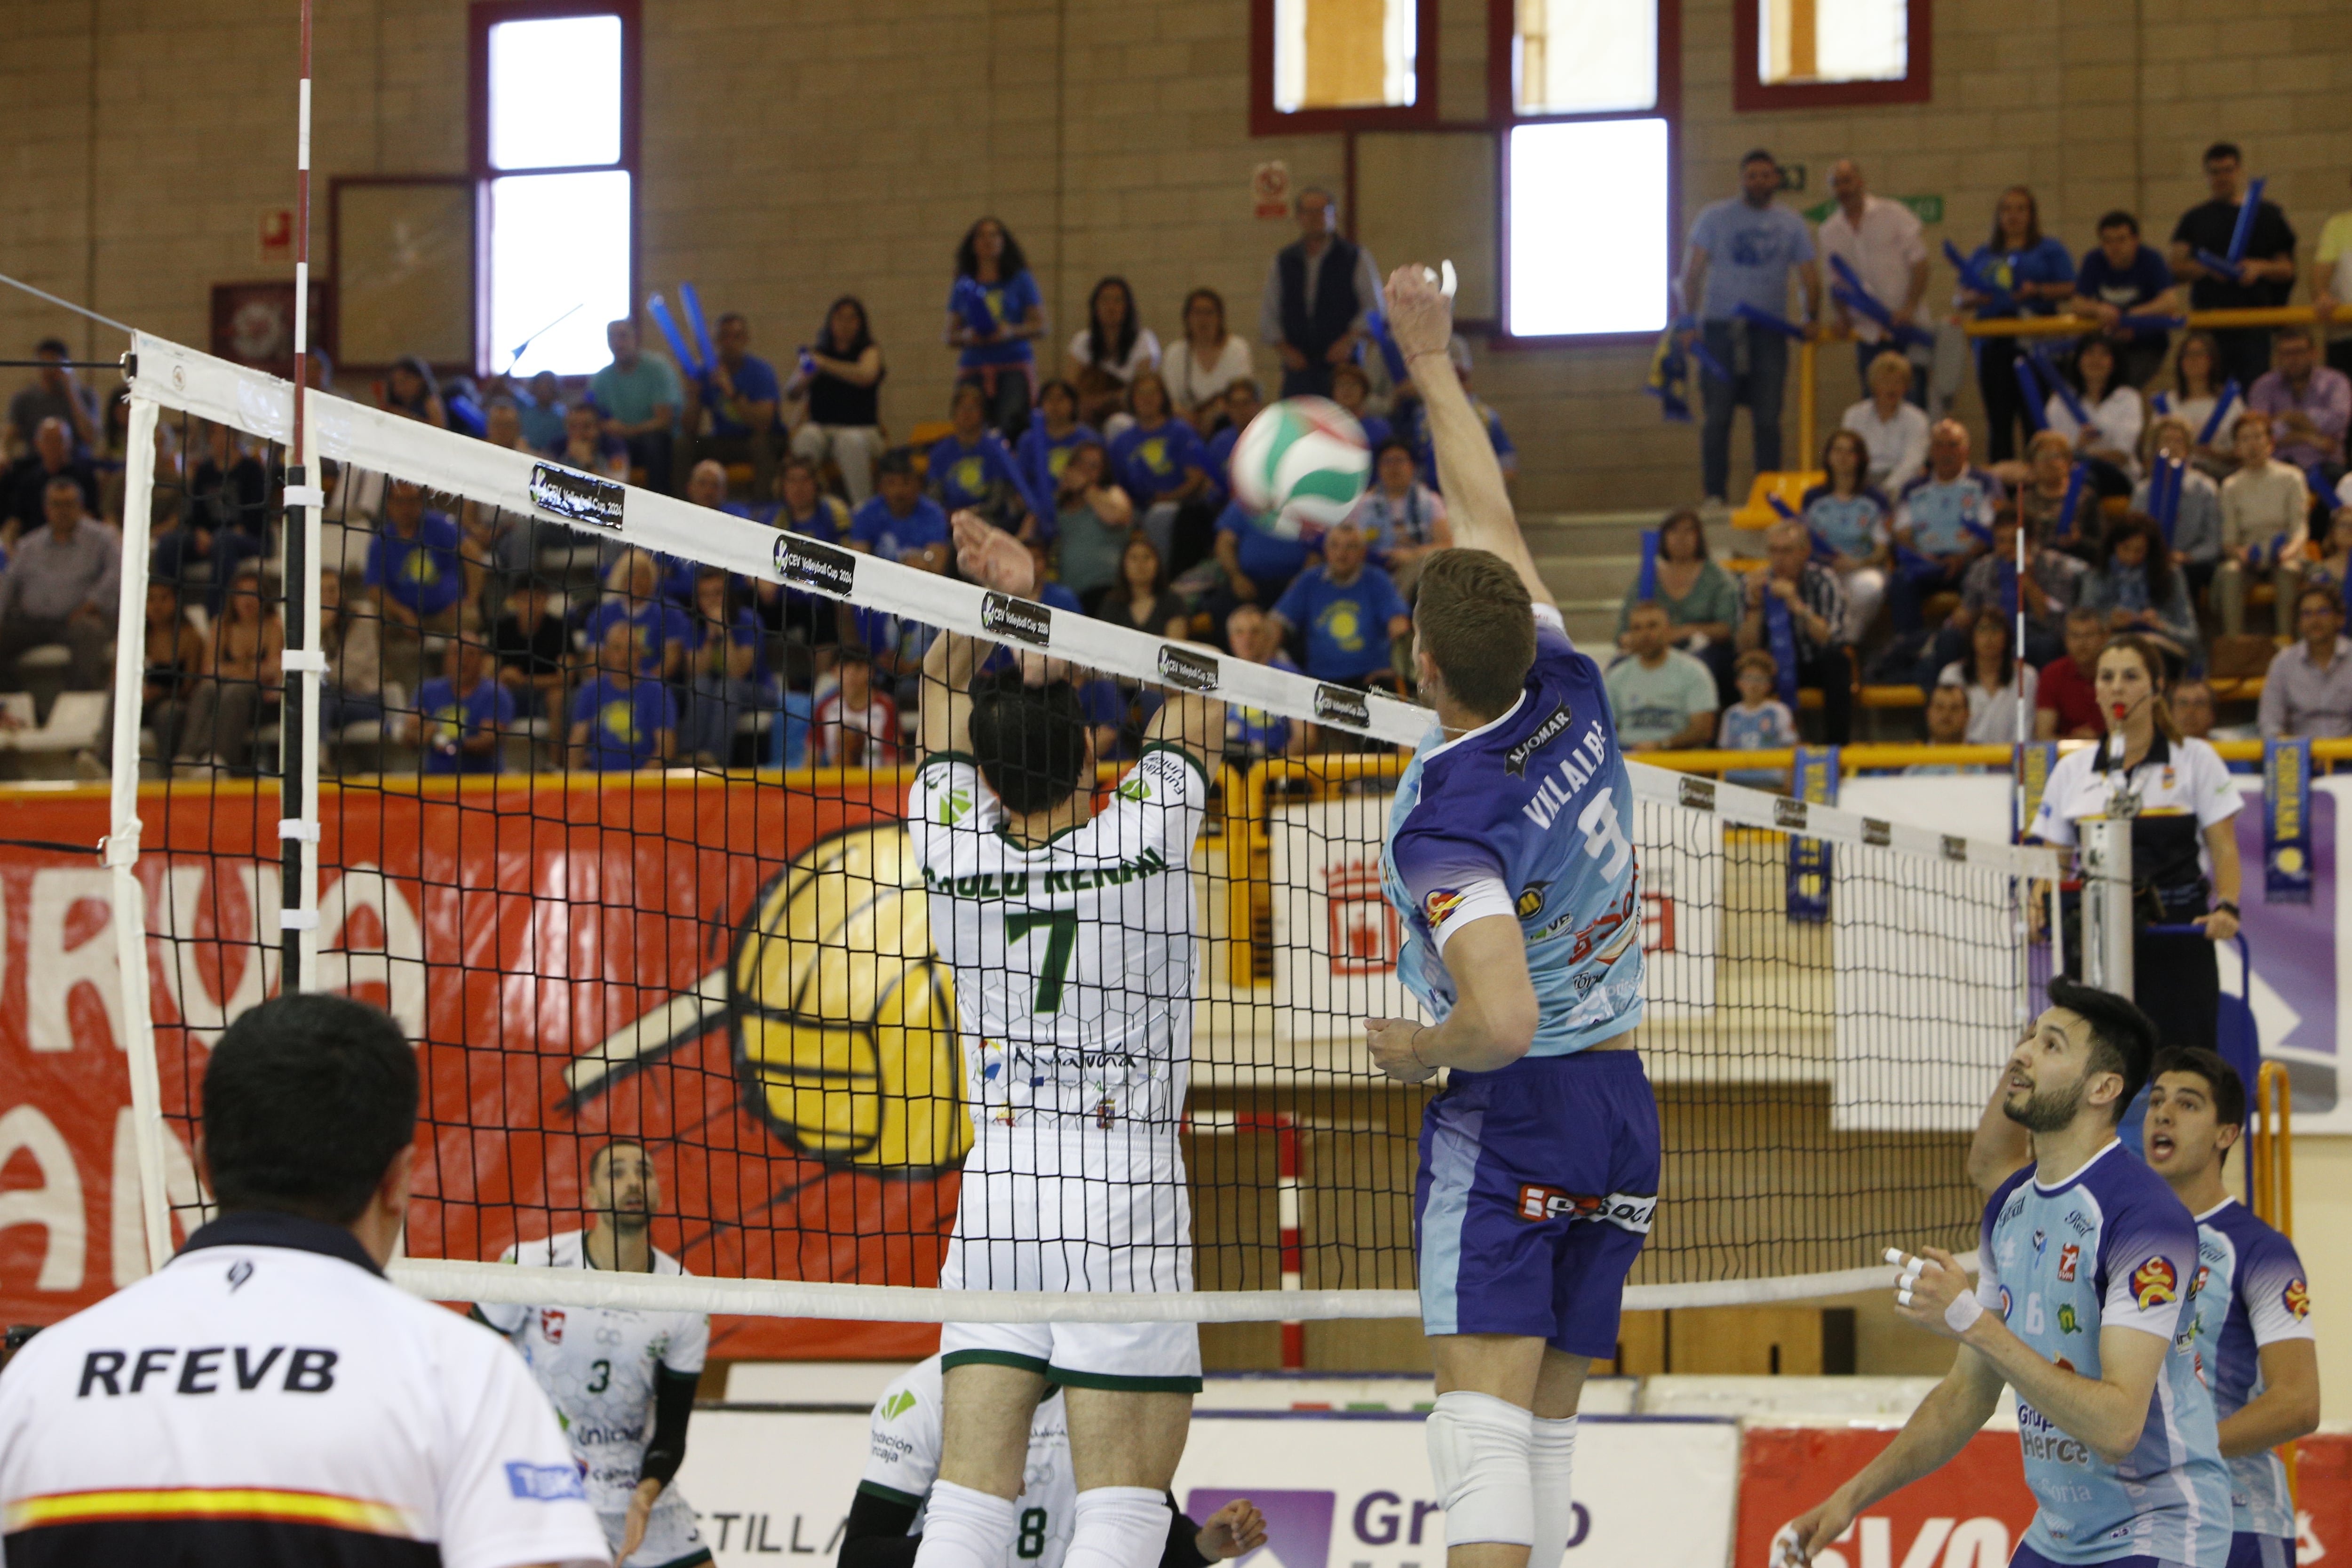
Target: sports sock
[
  {"x": 1119, "y": 1527},
  {"x": 965, "y": 1529},
  {"x": 1550, "y": 1458}
]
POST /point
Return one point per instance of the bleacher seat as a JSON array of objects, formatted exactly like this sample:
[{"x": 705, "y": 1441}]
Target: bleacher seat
[{"x": 1758, "y": 512}]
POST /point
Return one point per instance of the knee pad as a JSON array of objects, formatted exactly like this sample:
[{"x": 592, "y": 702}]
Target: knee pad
[
  {"x": 963, "y": 1528},
  {"x": 1119, "y": 1527},
  {"x": 1479, "y": 1449}
]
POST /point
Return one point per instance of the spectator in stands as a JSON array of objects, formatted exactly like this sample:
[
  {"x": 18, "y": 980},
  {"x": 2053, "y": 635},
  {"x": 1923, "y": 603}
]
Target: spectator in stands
[
  {"x": 60, "y": 587},
  {"x": 722, "y": 669},
  {"x": 2331, "y": 565},
  {"x": 410, "y": 390},
  {"x": 1944, "y": 515},
  {"x": 543, "y": 410},
  {"x": 2136, "y": 585},
  {"x": 740, "y": 393},
  {"x": 1403, "y": 519},
  {"x": 2331, "y": 284},
  {"x": 638, "y": 396},
  {"x": 1741, "y": 252},
  {"x": 461, "y": 716},
  {"x": 243, "y": 678},
  {"x": 2051, "y": 584},
  {"x": 2055, "y": 508},
  {"x": 2197, "y": 526},
  {"x": 2066, "y": 700},
  {"x": 2122, "y": 276},
  {"x": 995, "y": 313},
  {"x": 2308, "y": 406},
  {"x": 622, "y": 720},
  {"x": 2265, "y": 512},
  {"x": 2307, "y": 692},
  {"x": 2266, "y": 277},
  {"x": 2019, "y": 271},
  {"x": 1347, "y": 612},
  {"x": 1105, "y": 354},
  {"x": 1159, "y": 459},
  {"x": 1141, "y": 600},
  {"x": 856, "y": 725},
  {"x": 2109, "y": 440},
  {"x": 840, "y": 376},
  {"x": 972, "y": 471},
  {"x": 2196, "y": 391},
  {"x": 1093, "y": 522},
  {"x": 1208, "y": 359},
  {"x": 1664, "y": 700},
  {"x": 587, "y": 447},
  {"x": 1046, "y": 446},
  {"x": 351, "y": 634},
  {"x": 173, "y": 660},
  {"x": 1881, "y": 240},
  {"x": 1258, "y": 565},
  {"x": 1242, "y": 401},
  {"x": 1805, "y": 627},
  {"x": 530, "y": 647},
  {"x": 415, "y": 567},
  {"x": 1990, "y": 676},
  {"x": 1700, "y": 598},
  {"x": 1319, "y": 296},
  {"x": 2191, "y": 700},
  {"x": 56, "y": 393},
  {"x": 1351, "y": 389},
  {"x": 633, "y": 593},
  {"x": 1894, "y": 430},
  {"x": 1759, "y": 722},
  {"x": 1951, "y": 714},
  {"x": 1254, "y": 731},
  {"x": 51, "y": 458},
  {"x": 705, "y": 486},
  {"x": 901, "y": 524},
  {"x": 1854, "y": 519},
  {"x": 803, "y": 507}
]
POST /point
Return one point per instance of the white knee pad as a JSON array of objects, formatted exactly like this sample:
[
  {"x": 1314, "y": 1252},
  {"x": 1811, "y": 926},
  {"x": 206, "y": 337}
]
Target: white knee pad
[
  {"x": 1119, "y": 1527},
  {"x": 965, "y": 1529},
  {"x": 1478, "y": 1455},
  {"x": 1550, "y": 1458}
]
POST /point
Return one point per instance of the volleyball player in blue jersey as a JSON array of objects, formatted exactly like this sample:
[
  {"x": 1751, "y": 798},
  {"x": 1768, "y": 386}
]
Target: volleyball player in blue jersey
[{"x": 1510, "y": 860}]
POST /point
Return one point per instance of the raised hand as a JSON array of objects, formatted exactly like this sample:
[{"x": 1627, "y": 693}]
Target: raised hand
[
  {"x": 1419, "y": 318},
  {"x": 992, "y": 557}
]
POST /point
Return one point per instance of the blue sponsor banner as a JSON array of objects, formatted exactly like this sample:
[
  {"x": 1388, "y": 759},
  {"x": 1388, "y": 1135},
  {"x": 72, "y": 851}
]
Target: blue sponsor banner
[
  {"x": 2036, "y": 760},
  {"x": 1814, "y": 781},
  {"x": 2286, "y": 822}
]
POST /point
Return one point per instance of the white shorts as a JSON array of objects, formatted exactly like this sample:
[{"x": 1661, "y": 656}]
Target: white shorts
[
  {"x": 1071, "y": 1213},
  {"x": 672, "y": 1538}
]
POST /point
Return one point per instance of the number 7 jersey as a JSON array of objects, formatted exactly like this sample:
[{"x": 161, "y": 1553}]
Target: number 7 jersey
[{"x": 1074, "y": 959}]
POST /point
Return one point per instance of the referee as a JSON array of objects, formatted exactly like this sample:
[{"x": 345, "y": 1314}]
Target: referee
[{"x": 269, "y": 1398}]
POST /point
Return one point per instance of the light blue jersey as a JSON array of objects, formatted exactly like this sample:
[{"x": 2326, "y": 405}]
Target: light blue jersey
[
  {"x": 1530, "y": 815},
  {"x": 2109, "y": 1248},
  {"x": 2251, "y": 1292}
]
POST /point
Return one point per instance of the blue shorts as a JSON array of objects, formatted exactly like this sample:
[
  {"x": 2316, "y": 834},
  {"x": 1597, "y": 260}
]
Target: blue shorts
[
  {"x": 1537, "y": 1183},
  {"x": 2026, "y": 1557},
  {"x": 2250, "y": 1550}
]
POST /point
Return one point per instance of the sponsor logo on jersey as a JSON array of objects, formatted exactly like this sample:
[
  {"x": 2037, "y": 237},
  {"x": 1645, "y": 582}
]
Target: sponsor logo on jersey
[
  {"x": 1342, "y": 705},
  {"x": 1531, "y": 901},
  {"x": 2068, "y": 1323},
  {"x": 805, "y": 564},
  {"x": 1440, "y": 905},
  {"x": 573, "y": 497},
  {"x": 1134, "y": 787},
  {"x": 897, "y": 1405},
  {"x": 2197, "y": 1289},
  {"x": 2155, "y": 1283},
  {"x": 2007, "y": 1301},
  {"x": 1515, "y": 761},
  {"x": 955, "y": 805},
  {"x": 1626, "y": 1211},
  {"x": 551, "y": 1325},
  {"x": 544, "y": 1483},
  {"x": 2082, "y": 1226},
  {"x": 2297, "y": 1298},
  {"x": 1186, "y": 670},
  {"x": 2041, "y": 1241},
  {"x": 2070, "y": 1258},
  {"x": 1017, "y": 620}
]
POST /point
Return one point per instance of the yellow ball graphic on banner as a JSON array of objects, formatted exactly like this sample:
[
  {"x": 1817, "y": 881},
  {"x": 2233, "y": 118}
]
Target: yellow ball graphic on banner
[{"x": 2289, "y": 860}]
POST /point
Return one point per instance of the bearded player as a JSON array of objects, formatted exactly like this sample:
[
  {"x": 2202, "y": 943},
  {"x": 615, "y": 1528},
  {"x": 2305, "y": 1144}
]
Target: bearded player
[
  {"x": 2085, "y": 1306},
  {"x": 1510, "y": 860},
  {"x": 623, "y": 1380},
  {"x": 2254, "y": 1345},
  {"x": 1071, "y": 935}
]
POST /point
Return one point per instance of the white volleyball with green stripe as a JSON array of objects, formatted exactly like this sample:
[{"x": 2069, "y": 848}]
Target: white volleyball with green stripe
[{"x": 1301, "y": 466}]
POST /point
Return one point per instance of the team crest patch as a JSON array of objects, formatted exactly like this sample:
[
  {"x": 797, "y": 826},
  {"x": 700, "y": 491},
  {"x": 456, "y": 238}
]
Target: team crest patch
[
  {"x": 2154, "y": 1282},
  {"x": 897, "y": 1405},
  {"x": 551, "y": 1325},
  {"x": 1440, "y": 904},
  {"x": 1531, "y": 899},
  {"x": 2069, "y": 1257},
  {"x": 2297, "y": 1298},
  {"x": 2007, "y": 1301}
]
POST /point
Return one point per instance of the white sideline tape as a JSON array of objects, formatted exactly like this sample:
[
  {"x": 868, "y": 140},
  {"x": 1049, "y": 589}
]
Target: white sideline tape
[{"x": 198, "y": 383}]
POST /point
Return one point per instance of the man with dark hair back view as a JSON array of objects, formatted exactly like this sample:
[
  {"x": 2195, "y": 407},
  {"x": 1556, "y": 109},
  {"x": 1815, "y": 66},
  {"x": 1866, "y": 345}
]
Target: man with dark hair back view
[
  {"x": 2088, "y": 1267},
  {"x": 270, "y": 1397}
]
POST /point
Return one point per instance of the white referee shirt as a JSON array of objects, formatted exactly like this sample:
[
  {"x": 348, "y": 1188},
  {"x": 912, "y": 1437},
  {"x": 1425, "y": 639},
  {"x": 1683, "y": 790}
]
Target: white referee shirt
[{"x": 270, "y": 1397}]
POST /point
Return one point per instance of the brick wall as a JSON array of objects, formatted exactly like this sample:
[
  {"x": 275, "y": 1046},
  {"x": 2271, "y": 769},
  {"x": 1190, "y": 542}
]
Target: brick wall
[{"x": 795, "y": 152}]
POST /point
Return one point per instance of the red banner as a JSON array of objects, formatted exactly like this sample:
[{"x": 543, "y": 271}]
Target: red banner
[{"x": 738, "y": 975}]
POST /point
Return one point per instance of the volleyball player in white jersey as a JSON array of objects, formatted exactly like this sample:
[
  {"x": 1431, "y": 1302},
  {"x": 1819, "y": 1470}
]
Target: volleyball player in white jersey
[
  {"x": 1071, "y": 935},
  {"x": 623, "y": 1381}
]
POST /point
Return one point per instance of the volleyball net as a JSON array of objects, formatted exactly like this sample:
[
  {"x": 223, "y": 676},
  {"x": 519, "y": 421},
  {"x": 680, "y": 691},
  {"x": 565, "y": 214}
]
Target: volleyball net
[{"x": 604, "y": 796}]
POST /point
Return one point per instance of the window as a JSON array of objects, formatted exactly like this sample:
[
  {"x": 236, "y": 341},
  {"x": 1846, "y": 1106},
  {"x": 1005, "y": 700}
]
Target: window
[
  {"x": 555, "y": 155},
  {"x": 1585, "y": 56},
  {"x": 1804, "y": 54},
  {"x": 1342, "y": 65}
]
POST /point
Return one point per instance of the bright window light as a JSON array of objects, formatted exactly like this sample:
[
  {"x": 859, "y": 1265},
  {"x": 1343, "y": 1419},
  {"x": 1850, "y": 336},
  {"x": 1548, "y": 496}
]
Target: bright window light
[
  {"x": 1813, "y": 41},
  {"x": 1587, "y": 56},
  {"x": 557, "y": 241},
  {"x": 555, "y": 93},
  {"x": 1588, "y": 215},
  {"x": 1345, "y": 54}
]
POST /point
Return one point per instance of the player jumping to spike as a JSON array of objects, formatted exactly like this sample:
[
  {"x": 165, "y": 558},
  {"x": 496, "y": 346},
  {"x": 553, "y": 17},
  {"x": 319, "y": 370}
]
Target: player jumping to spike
[
  {"x": 2082, "y": 1305},
  {"x": 1071, "y": 936},
  {"x": 1510, "y": 860}
]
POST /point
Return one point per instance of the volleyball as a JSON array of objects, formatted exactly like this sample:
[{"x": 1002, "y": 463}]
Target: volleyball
[{"x": 1301, "y": 466}]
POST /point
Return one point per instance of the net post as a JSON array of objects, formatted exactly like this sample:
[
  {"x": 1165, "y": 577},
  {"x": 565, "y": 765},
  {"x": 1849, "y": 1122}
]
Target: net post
[{"x": 2106, "y": 863}]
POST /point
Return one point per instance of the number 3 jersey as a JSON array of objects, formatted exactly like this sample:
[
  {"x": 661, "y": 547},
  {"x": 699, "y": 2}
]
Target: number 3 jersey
[
  {"x": 2109, "y": 1248},
  {"x": 1531, "y": 817},
  {"x": 597, "y": 1365},
  {"x": 1075, "y": 959},
  {"x": 2251, "y": 1292},
  {"x": 905, "y": 1462}
]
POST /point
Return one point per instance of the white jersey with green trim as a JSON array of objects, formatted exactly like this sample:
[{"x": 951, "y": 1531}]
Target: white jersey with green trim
[
  {"x": 905, "y": 1462},
  {"x": 1075, "y": 961}
]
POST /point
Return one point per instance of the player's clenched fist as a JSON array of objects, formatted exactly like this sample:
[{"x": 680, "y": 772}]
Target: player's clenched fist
[
  {"x": 1393, "y": 1049},
  {"x": 1233, "y": 1531},
  {"x": 1803, "y": 1538},
  {"x": 1419, "y": 318}
]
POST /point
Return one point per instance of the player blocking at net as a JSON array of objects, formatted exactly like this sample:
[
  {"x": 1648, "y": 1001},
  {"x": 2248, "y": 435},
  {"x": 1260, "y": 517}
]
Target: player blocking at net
[
  {"x": 2084, "y": 1304},
  {"x": 1071, "y": 937},
  {"x": 1510, "y": 860}
]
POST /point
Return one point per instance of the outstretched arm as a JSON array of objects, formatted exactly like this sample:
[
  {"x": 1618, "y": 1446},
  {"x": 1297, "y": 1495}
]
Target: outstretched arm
[
  {"x": 994, "y": 559},
  {"x": 1938, "y": 1429},
  {"x": 1478, "y": 507}
]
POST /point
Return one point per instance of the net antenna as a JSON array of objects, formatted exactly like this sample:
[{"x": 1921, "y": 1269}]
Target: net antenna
[{"x": 304, "y": 662}]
